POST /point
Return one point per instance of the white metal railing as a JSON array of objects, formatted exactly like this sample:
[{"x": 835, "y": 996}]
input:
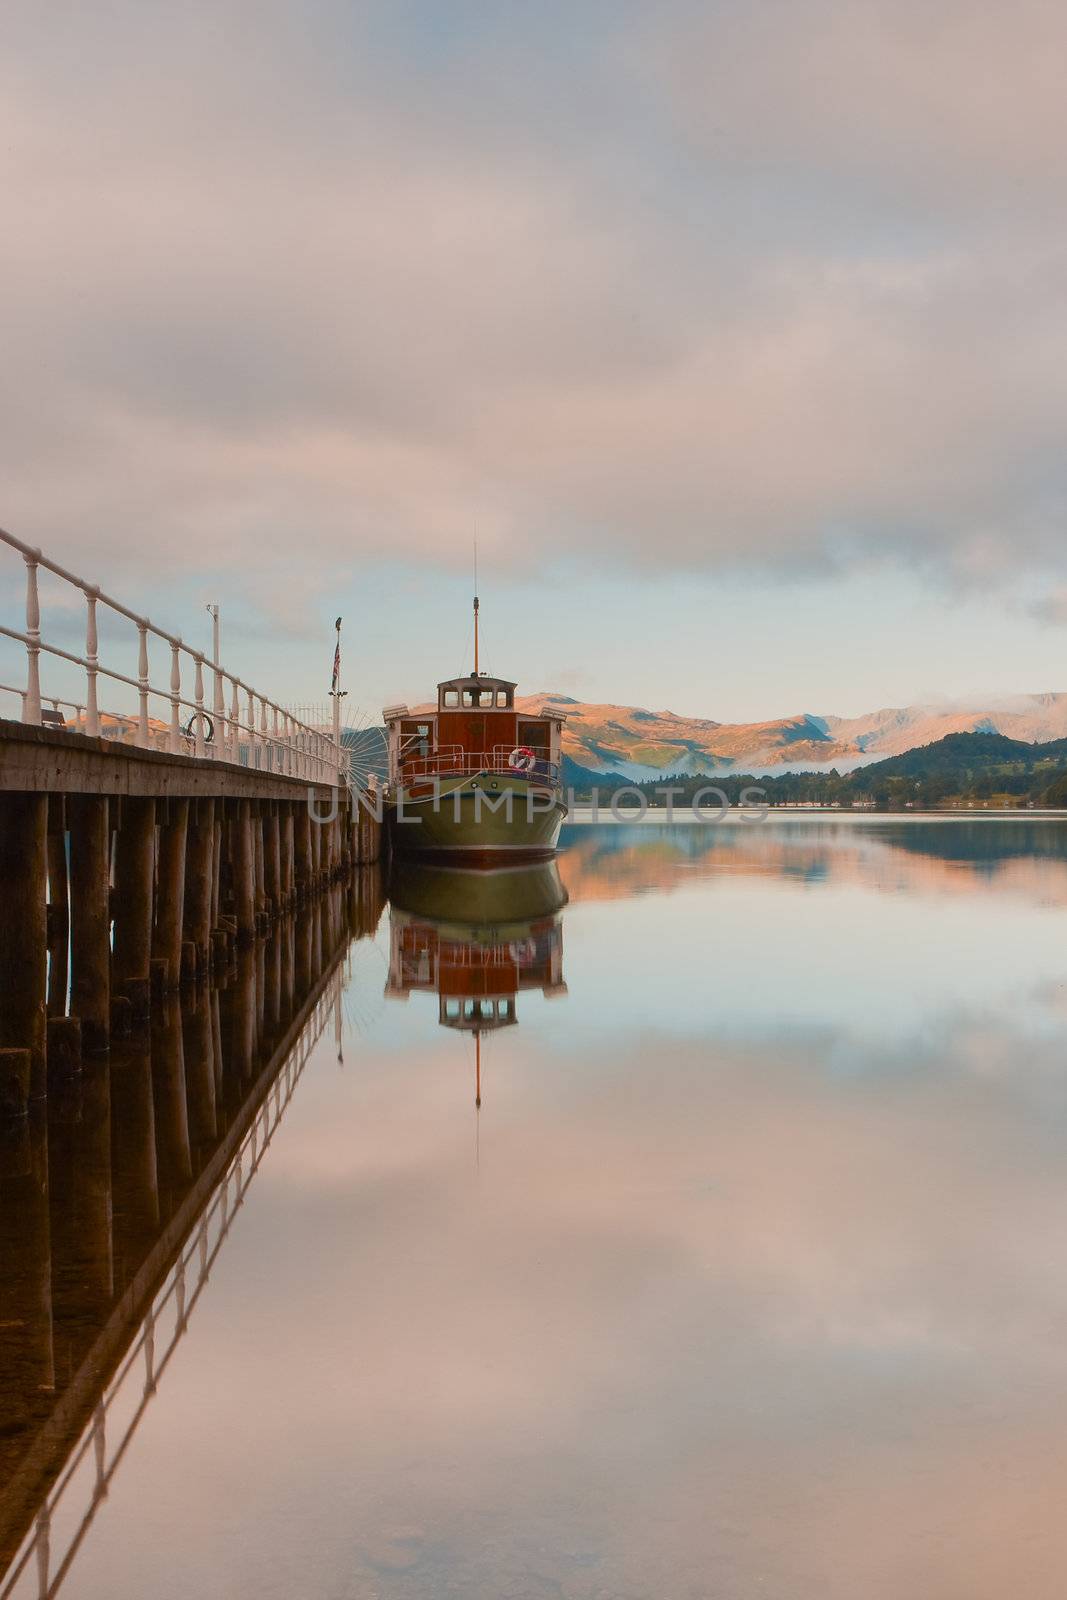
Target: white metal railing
[
  {"x": 48, "y": 699},
  {"x": 251, "y": 730}
]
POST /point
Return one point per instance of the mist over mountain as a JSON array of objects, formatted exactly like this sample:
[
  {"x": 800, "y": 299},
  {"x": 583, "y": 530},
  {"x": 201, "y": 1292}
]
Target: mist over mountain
[{"x": 639, "y": 744}]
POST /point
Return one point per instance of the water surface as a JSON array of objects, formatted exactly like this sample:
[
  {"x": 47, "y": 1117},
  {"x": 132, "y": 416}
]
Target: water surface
[{"x": 747, "y": 1278}]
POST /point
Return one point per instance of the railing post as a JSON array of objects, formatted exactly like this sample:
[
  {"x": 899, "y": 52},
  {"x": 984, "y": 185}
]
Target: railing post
[
  {"x": 219, "y": 704},
  {"x": 253, "y": 736},
  {"x": 92, "y": 712},
  {"x": 235, "y": 725},
  {"x": 276, "y": 764},
  {"x": 264, "y": 744},
  {"x": 288, "y": 751},
  {"x": 175, "y": 695},
  {"x": 142, "y": 684},
  {"x": 199, "y": 744},
  {"x": 32, "y": 704}
]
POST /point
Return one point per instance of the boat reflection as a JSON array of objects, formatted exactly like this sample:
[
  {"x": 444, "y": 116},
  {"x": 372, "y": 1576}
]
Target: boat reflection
[{"x": 476, "y": 939}]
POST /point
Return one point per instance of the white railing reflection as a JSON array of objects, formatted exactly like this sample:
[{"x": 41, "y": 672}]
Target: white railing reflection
[{"x": 241, "y": 725}]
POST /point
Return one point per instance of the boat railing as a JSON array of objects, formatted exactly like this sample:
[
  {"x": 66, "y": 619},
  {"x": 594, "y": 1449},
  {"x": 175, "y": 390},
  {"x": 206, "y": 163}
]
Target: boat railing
[{"x": 452, "y": 761}]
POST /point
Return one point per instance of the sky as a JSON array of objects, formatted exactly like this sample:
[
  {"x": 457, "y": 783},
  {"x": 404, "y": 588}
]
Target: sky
[{"x": 735, "y": 334}]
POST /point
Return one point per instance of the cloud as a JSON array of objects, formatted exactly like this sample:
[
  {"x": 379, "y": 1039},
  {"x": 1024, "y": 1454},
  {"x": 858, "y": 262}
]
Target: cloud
[
  {"x": 780, "y": 287},
  {"x": 1050, "y": 608}
]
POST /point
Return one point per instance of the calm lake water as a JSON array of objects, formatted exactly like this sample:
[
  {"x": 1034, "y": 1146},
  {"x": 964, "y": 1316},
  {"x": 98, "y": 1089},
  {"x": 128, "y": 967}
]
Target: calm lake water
[{"x": 748, "y": 1277}]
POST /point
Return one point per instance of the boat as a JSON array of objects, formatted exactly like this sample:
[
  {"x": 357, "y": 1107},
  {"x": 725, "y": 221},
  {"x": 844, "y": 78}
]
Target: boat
[
  {"x": 475, "y": 939},
  {"x": 474, "y": 779},
  {"x": 478, "y": 902}
]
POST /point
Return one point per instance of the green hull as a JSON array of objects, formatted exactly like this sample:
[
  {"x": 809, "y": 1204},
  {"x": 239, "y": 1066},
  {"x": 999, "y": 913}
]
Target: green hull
[
  {"x": 485, "y": 818},
  {"x": 508, "y": 898}
]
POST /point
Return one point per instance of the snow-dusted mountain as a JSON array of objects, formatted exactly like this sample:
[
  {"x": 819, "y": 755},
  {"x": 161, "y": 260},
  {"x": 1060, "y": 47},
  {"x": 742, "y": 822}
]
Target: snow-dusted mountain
[{"x": 642, "y": 744}]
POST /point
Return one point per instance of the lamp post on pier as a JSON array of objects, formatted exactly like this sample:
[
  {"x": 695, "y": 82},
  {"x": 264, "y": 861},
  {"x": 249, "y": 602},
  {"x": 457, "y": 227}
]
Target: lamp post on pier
[
  {"x": 336, "y": 695},
  {"x": 219, "y": 701}
]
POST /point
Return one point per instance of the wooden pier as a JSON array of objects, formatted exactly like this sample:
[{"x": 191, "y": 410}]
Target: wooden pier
[
  {"x": 138, "y": 852},
  {"x": 129, "y": 872}
]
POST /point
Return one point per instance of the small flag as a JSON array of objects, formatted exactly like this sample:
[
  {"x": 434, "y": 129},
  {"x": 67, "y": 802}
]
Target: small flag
[{"x": 336, "y": 659}]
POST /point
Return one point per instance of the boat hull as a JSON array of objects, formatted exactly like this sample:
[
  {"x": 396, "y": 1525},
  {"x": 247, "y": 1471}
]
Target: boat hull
[
  {"x": 507, "y": 899},
  {"x": 485, "y": 819}
]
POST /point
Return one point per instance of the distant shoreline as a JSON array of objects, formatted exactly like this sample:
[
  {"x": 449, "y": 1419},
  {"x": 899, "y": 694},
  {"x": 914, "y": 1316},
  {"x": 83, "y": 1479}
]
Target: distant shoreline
[{"x": 584, "y": 816}]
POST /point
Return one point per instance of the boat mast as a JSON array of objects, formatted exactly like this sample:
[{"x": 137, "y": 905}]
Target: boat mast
[{"x": 475, "y": 608}]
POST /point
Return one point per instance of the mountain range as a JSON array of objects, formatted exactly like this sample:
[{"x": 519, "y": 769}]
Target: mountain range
[{"x": 640, "y": 744}]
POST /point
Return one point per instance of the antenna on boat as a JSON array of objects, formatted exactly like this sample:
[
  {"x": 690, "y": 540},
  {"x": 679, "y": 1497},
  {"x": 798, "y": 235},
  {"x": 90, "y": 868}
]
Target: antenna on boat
[{"x": 475, "y": 608}]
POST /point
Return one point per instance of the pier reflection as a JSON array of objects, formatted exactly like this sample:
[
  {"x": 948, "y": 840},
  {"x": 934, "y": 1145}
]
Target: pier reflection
[
  {"x": 476, "y": 939},
  {"x": 115, "y": 1199}
]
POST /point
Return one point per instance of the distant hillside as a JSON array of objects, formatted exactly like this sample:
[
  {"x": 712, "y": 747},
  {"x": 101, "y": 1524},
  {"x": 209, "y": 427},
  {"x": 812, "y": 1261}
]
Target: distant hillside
[
  {"x": 973, "y": 768},
  {"x": 967, "y": 755},
  {"x": 639, "y": 744}
]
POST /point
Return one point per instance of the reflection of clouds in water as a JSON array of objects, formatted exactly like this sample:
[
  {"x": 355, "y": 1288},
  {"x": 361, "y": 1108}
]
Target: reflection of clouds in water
[
  {"x": 759, "y": 1285},
  {"x": 751, "y": 958},
  {"x": 696, "y": 1320}
]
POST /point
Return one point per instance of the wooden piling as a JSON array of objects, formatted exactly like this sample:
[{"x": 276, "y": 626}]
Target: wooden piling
[
  {"x": 303, "y": 950},
  {"x": 24, "y": 929},
  {"x": 257, "y": 842},
  {"x": 288, "y": 855},
  {"x": 173, "y": 1158},
  {"x": 199, "y": 1047},
  {"x": 316, "y": 853},
  {"x": 285, "y": 982},
  {"x": 135, "y": 846},
  {"x": 64, "y": 1050},
  {"x": 27, "y": 1368},
  {"x": 216, "y": 869},
  {"x": 133, "y": 1153},
  {"x": 303, "y": 857},
  {"x": 272, "y": 859},
  {"x": 244, "y": 871},
  {"x": 170, "y": 907},
  {"x": 199, "y": 883},
  {"x": 14, "y": 1083},
  {"x": 58, "y": 908},
  {"x": 90, "y": 916},
  {"x": 79, "y": 1161},
  {"x": 243, "y": 1011},
  {"x": 272, "y": 985}
]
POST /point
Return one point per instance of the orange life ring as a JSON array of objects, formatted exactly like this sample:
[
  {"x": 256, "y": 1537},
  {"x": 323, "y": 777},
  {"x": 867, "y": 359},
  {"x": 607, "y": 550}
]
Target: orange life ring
[{"x": 522, "y": 759}]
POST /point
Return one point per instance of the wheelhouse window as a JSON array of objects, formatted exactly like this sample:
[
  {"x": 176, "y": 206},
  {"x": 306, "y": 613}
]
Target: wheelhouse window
[
  {"x": 416, "y": 740},
  {"x": 535, "y": 736},
  {"x": 450, "y": 698}
]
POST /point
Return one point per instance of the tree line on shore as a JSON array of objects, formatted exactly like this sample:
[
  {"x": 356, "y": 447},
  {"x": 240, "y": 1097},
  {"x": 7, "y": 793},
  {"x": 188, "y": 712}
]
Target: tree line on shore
[{"x": 962, "y": 769}]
